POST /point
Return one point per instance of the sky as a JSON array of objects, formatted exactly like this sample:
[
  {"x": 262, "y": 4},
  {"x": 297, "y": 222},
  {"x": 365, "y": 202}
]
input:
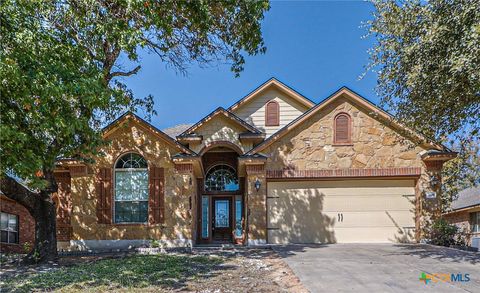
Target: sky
[{"x": 315, "y": 47}]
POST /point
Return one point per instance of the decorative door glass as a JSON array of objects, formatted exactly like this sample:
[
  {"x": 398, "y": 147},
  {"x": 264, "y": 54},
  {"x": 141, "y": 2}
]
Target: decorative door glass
[
  {"x": 238, "y": 217},
  {"x": 222, "y": 213},
  {"x": 205, "y": 217}
]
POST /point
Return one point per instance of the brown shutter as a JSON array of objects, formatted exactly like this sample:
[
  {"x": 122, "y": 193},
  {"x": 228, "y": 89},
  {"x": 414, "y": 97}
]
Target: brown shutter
[
  {"x": 342, "y": 128},
  {"x": 272, "y": 115},
  {"x": 104, "y": 196},
  {"x": 156, "y": 199}
]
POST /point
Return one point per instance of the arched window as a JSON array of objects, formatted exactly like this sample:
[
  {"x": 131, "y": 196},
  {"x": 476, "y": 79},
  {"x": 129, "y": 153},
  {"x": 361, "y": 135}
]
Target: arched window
[
  {"x": 131, "y": 189},
  {"x": 342, "y": 129},
  {"x": 221, "y": 178},
  {"x": 272, "y": 114}
]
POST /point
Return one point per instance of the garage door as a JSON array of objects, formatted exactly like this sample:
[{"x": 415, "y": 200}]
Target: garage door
[{"x": 341, "y": 211}]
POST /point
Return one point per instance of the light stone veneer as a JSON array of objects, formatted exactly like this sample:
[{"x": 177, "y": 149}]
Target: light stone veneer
[
  {"x": 133, "y": 137},
  {"x": 310, "y": 145},
  {"x": 220, "y": 128}
]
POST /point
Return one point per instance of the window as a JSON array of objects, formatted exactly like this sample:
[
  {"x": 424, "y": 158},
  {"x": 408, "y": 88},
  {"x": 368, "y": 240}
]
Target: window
[
  {"x": 342, "y": 129},
  {"x": 238, "y": 217},
  {"x": 9, "y": 228},
  {"x": 131, "y": 189},
  {"x": 205, "y": 220},
  {"x": 221, "y": 178},
  {"x": 475, "y": 222},
  {"x": 272, "y": 114}
]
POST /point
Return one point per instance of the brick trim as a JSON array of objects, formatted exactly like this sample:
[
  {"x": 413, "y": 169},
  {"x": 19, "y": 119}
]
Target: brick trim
[
  {"x": 385, "y": 172},
  {"x": 254, "y": 169},
  {"x": 184, "y": 168}
]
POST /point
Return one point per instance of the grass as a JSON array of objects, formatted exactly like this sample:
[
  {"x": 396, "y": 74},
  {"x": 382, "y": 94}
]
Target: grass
[{"x": 127, "y": 273}]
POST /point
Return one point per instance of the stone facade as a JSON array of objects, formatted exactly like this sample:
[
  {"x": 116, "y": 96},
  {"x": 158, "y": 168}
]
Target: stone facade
[
  {"x": 311, "y": 147},
  {"x": 26, "y": 227},
  {"x": 179, "y": 188},
  {"x": 220, "y": 128}
]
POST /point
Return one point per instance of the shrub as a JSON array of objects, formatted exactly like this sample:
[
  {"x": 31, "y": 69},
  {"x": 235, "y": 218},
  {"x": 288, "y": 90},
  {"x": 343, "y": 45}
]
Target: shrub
[{"x": 443, "y": 233}]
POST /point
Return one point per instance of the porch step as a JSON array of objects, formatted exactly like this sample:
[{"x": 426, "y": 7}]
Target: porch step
[{"x": 216, "y": 246}]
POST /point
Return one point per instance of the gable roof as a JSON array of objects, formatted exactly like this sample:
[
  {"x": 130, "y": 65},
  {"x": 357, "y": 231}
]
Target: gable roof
[
  {"x": 131, "y": 116},
  {"x": 321, "y": 105},
  {"x": 226, "y": 113},
  {"x": 278, "y": 84},
  {"x": 466, "y": 198}
]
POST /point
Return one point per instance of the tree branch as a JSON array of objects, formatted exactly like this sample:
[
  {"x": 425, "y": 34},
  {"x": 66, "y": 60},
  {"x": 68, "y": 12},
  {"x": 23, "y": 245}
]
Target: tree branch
[
  {"x": 122, "y": 73},
  {"x": 12, "y": 189}
]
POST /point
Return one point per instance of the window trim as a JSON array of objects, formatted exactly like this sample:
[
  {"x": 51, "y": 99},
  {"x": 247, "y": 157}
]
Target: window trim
[
  {"x": 115, "y": 169},
  {"x": 278, "y": 113},
  {"x": 349, "y": 129},
  {"x": 15, "y": 231}
]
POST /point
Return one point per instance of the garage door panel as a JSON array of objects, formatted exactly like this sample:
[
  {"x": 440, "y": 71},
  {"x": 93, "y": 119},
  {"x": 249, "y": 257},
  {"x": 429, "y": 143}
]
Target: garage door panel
[
  {"x": 373, "y": 203},
  {"x": 372, "y": 219},
  {"x": 373, "y": 211}
]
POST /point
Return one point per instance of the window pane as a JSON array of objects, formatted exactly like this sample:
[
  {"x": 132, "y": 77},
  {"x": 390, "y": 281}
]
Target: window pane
[
  {"x": 131, "y": 185},
  {"x": 13, "y": 237},
  {"x": 222, "y": 213},
  {"x": 4, "y": 221},
  {"x": 205, "y": 220},
  {"x": 128, "y": 212},
  {"x": 221, "y": 178},
  {"x": 238, "y": 217},
  {"x": 13, "y": 223},
  {"x": 4, "y": 236},
  {"x": 475, "y": 221}
]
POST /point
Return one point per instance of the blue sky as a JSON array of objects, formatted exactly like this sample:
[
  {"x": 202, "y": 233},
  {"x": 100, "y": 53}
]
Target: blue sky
[{"x": 314, "y": 47}]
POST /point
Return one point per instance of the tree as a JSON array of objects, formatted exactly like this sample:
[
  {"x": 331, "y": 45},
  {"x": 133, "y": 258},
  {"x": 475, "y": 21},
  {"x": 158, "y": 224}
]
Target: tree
[
  {"x": 60, "y": 70},
  {"x": 427, "y": 60}
]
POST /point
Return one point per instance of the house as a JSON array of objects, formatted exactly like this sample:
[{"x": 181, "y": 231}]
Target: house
[
  {"x": 274, "y": 167},
  {"x": 465, "y": 213},
  {"x": 17, "y": 227}
]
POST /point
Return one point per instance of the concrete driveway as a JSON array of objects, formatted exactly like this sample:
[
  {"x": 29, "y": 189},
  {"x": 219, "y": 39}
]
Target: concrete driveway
[{"x": 380, "y": 267}]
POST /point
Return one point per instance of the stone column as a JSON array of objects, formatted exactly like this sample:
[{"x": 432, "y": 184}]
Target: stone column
[{"x": 256, "y": 202}]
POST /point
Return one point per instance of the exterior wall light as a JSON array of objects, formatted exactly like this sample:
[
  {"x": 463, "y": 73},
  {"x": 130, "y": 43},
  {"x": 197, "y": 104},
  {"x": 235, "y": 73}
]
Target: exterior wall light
[{"x": 257, "y": 184}]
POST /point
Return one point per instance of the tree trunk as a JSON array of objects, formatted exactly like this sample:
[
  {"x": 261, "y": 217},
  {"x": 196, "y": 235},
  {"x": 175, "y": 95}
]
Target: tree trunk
[
  {"x": 45, "y": 247},
  {"x": 42, "y": 208}
]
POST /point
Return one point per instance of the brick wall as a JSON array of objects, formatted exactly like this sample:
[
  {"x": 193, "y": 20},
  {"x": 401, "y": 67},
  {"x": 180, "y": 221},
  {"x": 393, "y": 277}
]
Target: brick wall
[{"x": 26, "y": 226}]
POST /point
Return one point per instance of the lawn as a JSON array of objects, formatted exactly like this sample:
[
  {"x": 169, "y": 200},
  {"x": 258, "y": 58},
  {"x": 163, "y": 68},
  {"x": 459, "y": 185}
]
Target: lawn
[{"x": 141, "y": 272}]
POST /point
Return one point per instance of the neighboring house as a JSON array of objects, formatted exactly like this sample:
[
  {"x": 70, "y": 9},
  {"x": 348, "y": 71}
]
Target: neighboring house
[
  {"x": 273, "y": 168},
  {"x": 17, "y": 227},
  {"x": 465, "y": 213}
]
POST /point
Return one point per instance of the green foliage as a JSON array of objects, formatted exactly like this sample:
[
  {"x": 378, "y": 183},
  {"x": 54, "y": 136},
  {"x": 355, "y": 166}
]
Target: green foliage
[
  {"x": 445, "y": 234},
  {"x": 62, "y": 64},
  {"x": 427, "y": 59},
  {"x": 461, "y": 172},
  {"x": 126, "y": 273}
]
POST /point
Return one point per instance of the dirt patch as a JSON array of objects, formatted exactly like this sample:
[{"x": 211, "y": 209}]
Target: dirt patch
[{"x": 251, "y": 270}]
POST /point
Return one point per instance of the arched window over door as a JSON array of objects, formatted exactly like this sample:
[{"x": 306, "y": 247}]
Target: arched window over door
[
  {"x": 342, "y": 129},
  {"x": 272, "y": 114},
  {"x": 131, "y": 189},
  {"x": 221, "y": 178}
]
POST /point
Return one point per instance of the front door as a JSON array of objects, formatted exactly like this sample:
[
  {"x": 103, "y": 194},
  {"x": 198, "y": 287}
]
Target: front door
[{"x": 222, "y": 220}]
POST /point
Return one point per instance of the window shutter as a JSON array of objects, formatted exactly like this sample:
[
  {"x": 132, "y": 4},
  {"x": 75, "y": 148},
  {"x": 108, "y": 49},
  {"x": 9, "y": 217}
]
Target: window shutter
[
  {"x": 342, "y": 128},
  {"x": 156, "y": 199},
  {"x": 104, "y": 196},
  {"x": 272, "y": 114}
]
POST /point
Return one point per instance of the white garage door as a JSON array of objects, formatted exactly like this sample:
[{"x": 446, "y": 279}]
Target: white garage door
[{"x": 341, "y": 211}]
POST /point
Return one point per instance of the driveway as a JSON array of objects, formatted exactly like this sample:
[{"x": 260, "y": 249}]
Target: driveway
[{"x": 380, "y": 267}]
